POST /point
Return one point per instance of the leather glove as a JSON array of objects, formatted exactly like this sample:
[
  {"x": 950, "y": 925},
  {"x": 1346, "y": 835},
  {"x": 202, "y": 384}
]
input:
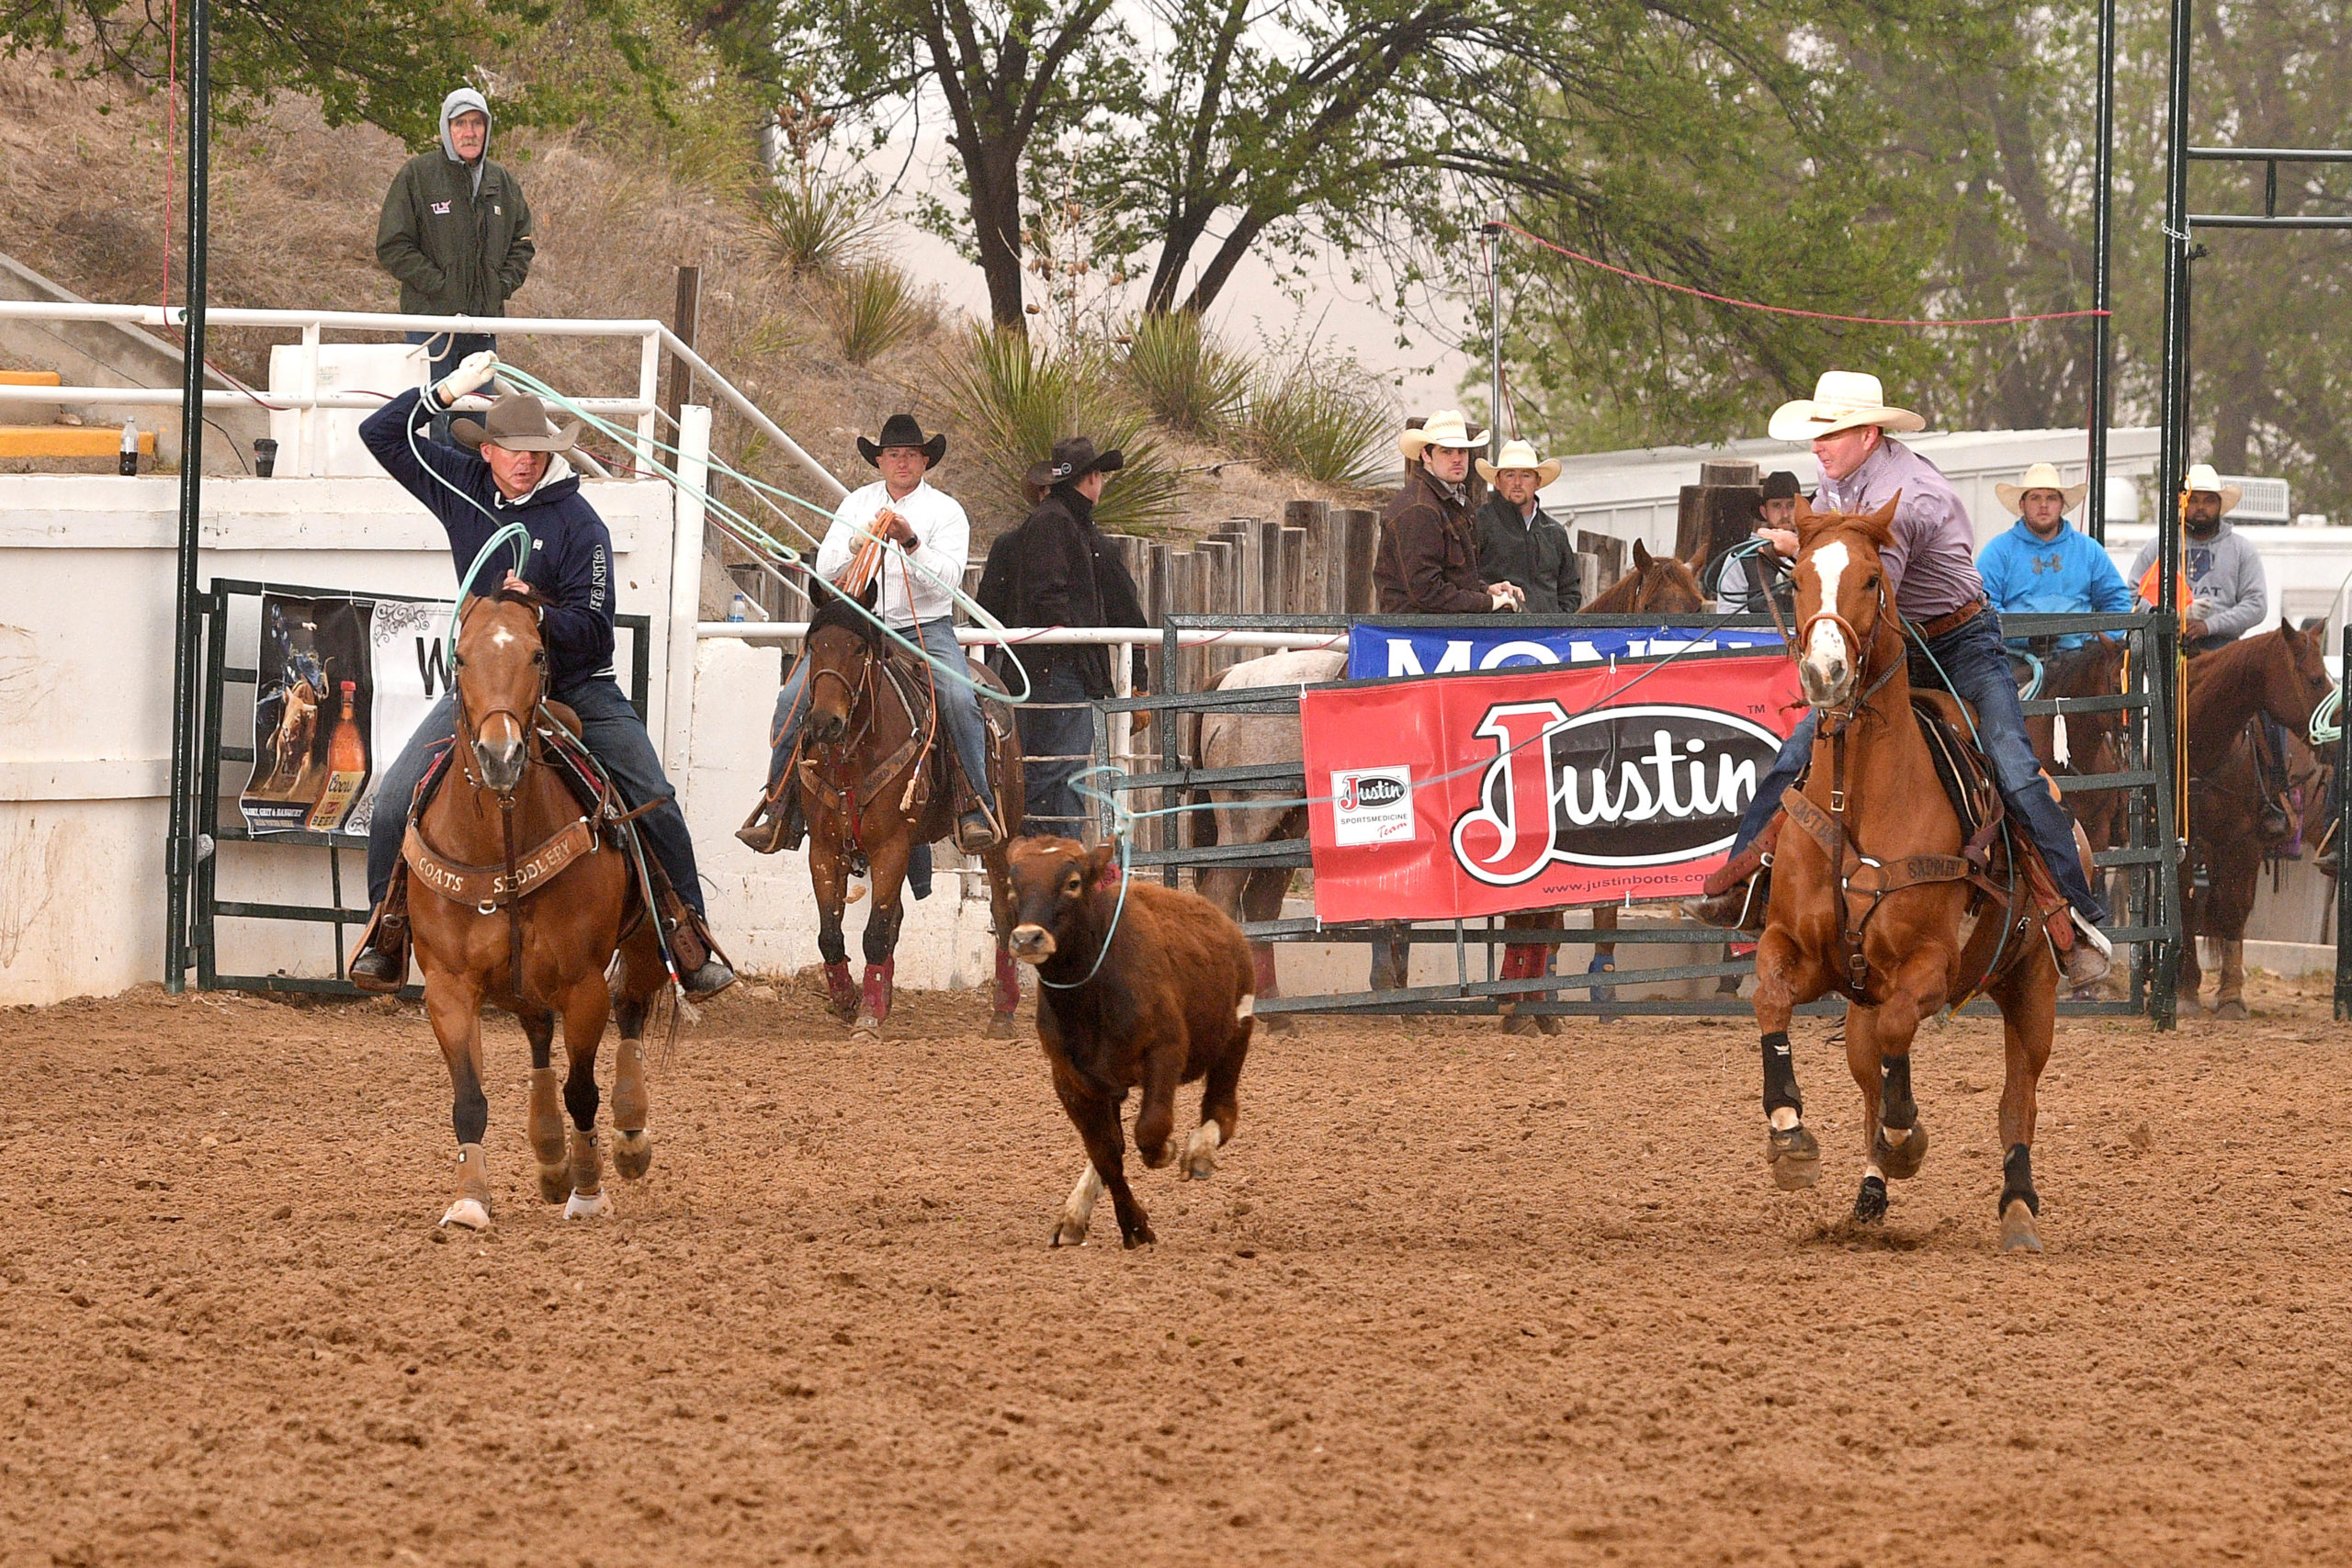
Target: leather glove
[{"x": 473, "y": 372}]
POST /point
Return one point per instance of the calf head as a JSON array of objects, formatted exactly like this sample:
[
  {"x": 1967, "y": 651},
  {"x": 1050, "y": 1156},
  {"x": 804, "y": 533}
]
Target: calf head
[{"x": 1052, "y": 887}]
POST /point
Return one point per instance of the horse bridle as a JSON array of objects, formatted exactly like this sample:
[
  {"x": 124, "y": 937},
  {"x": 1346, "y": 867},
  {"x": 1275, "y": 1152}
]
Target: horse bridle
[{"x": 469, "y": 736}]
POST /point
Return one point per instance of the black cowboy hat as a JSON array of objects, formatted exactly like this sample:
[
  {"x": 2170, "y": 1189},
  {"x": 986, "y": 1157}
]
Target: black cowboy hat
[
  {"x": 1074, "y": 459},
  {"x": 519, "y": 422},
  {"x": 901, "y": 429},
  {"x": 1780, "y": 485}
]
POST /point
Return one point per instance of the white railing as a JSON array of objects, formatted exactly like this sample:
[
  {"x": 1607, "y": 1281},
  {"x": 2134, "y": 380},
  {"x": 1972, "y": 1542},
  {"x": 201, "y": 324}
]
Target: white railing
[
  {"x": 652, "y": 337},
  {"x": 1050, "y": 636}
]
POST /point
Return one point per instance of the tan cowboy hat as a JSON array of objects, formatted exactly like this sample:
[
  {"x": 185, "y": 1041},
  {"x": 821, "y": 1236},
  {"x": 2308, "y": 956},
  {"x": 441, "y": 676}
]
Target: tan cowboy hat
[
  {"x": 519, "y": 422},
  {"x": 2042, "y": 475},
  {"x": 1841, "y": 400},
  {"x": 2201, "y": 476},
  {"x": 1444, "y": 428},
  {"x": 1520, "y": 455}
]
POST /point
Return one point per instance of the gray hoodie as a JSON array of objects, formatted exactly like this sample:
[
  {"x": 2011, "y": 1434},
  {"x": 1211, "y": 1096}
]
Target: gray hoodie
[
  {"x": 455, "y": 104},
  {"x": 2224, "y": 579}
]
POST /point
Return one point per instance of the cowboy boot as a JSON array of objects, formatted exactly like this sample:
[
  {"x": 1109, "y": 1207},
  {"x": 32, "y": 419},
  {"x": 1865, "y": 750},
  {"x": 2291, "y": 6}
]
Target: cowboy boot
[
  {"x": 1740, "y": 890},
  {"x": 776, "y": 823},
  {"x": 702, "y": 970},
  {"x": 380, "y": 967}
]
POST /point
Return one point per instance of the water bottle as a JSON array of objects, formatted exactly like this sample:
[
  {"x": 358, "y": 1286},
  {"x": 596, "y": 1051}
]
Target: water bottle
[
  {"x": 129, "y": 461},
  {"x": 741, "y": 610}
]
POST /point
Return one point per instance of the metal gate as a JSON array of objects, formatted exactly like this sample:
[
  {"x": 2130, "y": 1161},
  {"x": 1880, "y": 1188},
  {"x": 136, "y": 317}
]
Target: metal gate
[{"x": 2143, "y": 863}]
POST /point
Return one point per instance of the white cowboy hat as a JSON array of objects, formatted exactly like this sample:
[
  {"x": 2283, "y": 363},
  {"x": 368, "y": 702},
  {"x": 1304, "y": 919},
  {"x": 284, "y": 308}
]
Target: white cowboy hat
[
  {"x": 1520, "y": 455},
  {"x": 2042, "y": 475},
  {"x": 2201, "y": 476},
  {"x": 1841, "y": 401},
  {"x": 1443, "y": 428}
]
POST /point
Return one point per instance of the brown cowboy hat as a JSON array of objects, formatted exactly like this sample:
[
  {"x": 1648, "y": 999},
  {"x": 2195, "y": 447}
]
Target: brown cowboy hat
[
  {"x": 1074, "y": 459},
  {"x": 519, "y": 422},
  {"x": 901, "y": 429}
]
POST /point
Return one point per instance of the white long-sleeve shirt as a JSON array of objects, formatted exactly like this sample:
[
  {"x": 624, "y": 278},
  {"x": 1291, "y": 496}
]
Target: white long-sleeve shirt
[{"x": 943, "y": 544}]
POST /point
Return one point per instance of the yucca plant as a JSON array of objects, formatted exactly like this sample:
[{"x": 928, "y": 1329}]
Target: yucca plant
[
  {"x": 1189, "y": 381},
  {"x": 815, "y": 224},
  {"x": 1016, "y": 400},
  {"x": 875, "y": 307},
  {"x": 1322, "y": 421}
]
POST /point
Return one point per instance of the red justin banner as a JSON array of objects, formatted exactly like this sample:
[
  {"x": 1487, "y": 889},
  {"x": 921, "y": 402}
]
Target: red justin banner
[{"x": 1481, "y": 795}]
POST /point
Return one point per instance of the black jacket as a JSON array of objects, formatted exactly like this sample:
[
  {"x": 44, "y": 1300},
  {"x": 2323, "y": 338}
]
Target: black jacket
[
  {"x": 1537, "y": 556},
  {"x": 456, "y": 251},
  {"x": 1057, "y": 570}
]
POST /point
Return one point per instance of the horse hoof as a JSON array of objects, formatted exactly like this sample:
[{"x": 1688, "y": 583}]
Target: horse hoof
[
  {"x": 1068, "y": 1234},
  {"x": 1901, "y": 1161},
  {"x": 1794, "y": 1156},
  {"x": 1200, "y": 1153},
  {"x": 2017, "y": 1234},
  {"x": 1139, "y": 1236},
  {"x": 1869, "y": 1203},
  {"x": 1520, "y": 1023},
  {"x": 555, "y": 1181},
  {"x": 1547, "y": 1023},
  {"x": 1004, "y": 1026},
  {"x": 587, "y": 1206},
  {"x": 632, "y": 1152},
  {"x": 2230, "y": 1011},
  {"x": 470, "y": 1214},
  {"x": 866, "y": 1028}
]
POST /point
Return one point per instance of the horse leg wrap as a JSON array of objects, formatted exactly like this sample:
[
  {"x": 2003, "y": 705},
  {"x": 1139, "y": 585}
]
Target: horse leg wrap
[
  {"x": 1261, "y": 969},
  {"x": 1897, "y": 1108},
  {"x": 878, "y": 991},
  {"x": 1780, "y": 1075},
  {"x": 839, "y": 988},
  {"x": 2017, "y": 1180},
  {"x": 1008, "y": 982}
]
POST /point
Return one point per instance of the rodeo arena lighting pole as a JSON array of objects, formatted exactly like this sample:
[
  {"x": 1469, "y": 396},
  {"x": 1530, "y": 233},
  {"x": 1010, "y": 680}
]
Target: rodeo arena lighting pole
[
  {"x": 2102, "y": 256},
  {"x": 180, "y": 840}
]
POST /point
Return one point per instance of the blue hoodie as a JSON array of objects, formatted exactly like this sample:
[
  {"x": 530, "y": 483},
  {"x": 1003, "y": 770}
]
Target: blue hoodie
[
  {"x": 572, "y": 550},
  {"x": 2070, "y": 574}
]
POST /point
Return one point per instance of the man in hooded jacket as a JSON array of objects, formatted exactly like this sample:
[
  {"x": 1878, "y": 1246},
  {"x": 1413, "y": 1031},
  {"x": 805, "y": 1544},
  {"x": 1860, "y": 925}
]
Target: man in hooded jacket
[{"x": 457, "y": 233}]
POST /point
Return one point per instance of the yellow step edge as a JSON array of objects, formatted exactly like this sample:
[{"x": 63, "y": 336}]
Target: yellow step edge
[
  {"x": 30, "y": 378},
  {"x": 67, "y": 441}
]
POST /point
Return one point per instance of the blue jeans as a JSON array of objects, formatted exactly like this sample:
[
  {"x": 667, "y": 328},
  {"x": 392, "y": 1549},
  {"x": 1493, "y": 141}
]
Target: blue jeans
[
  {"x": 613, "y": 735},
  {"x": 959, "y": 712},
  {"x": 1054, "y": 804},
  {"x": 1976, "y": 663},
  {"x": 447, "y": 349}
]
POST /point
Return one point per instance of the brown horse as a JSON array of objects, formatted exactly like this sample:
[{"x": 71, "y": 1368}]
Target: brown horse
[
  {"x": 2083, "y": 744},
  {"x": 502, "y": 820},
  {"x": 872, "y": 774},
  {"x": 2280, "y": 674},
  {"x": 1871, "y": 895}
]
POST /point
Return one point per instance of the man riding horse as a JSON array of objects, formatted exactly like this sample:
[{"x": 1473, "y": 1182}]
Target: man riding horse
[
  {"x": 1933, "y": 582},
  {"x": 906, "y": 509},
  {"x": 512, "y": 470}
]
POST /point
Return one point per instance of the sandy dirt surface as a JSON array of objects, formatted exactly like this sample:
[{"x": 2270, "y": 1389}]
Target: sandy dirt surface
[{"x": 1453, "y": 1297}]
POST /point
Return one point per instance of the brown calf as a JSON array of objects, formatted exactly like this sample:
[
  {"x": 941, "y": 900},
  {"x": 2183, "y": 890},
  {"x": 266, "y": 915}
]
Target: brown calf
[{"x": 1167, "y": 1002}]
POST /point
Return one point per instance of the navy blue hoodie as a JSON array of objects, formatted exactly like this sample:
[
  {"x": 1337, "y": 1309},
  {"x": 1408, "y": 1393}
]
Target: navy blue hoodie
[{"x": 572, "y": 550}]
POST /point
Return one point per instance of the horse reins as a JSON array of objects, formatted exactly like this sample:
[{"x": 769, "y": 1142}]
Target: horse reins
[{"x": 470, "y": 733}]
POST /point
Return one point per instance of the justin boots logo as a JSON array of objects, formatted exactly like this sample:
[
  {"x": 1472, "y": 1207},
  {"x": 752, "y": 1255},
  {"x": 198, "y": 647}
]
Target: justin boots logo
[{"x": 1648, "y": 784}]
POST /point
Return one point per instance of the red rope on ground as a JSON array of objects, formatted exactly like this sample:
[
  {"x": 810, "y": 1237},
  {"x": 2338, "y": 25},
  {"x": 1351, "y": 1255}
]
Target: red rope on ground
[{"x": 1790, "y": 310}]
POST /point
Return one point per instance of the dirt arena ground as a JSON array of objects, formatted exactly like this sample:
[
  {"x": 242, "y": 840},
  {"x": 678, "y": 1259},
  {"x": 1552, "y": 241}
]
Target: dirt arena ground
[{"x": 1453, "y": 1297}]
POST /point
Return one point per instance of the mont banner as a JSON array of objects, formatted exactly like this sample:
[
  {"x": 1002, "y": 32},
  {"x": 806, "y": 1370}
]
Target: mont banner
[
  {"x": 344, "y": 684},
  {"x": 1377, "y": 653},
  {"x": 1461, "y": 796}
]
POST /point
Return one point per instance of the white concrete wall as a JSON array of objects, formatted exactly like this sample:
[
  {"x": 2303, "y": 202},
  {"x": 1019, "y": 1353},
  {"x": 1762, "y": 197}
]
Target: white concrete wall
[{"x": 87, "y": 614}]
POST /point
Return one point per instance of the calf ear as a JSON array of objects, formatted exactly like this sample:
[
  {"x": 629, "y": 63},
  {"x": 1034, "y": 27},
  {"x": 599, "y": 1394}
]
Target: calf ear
[{"x": 1102, "y": 861}]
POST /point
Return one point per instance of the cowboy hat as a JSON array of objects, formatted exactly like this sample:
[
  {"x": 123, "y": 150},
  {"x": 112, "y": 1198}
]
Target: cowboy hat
[
  {"x": 1074, "y": 459},
  {"x": 1520, "y": 455},
  {"x": 2042, "y": 475},
  {"x": 901, "y": 429},
  {"x": 2201, "y": 476},
  {"x": 1443, "y": 428},
  {"x": 519, "y": 422},
  {"x": 1781, "y": 485},
  {"x": 1842, "y": 399}
]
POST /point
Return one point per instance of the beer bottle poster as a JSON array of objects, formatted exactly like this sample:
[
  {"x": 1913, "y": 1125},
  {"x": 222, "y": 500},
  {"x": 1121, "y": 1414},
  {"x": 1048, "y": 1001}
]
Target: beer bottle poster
[
  {"x": 312, "y": 755},
  {"x": 409, "y": 648}
]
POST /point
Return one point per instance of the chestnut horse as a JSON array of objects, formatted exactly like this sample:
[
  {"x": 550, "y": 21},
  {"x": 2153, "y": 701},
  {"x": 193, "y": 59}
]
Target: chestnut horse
[
  {"x": 2280, "y": 674},
  {"x": 504, "y": 817},
  {"x": 1243, "y": 816},
  {"x": 868, "y": 784},
  {"x": 1871, "y": 896},
  {"x": 2083, "y": 744}
]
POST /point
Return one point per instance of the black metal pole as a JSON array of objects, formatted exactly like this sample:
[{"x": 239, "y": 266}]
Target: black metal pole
[
  {"x": 2172, "y": 463},
  {"x": 2343, "y": 834},
  {"x": 179, "y": 844},
  {"x": 2102, "y": 262}
]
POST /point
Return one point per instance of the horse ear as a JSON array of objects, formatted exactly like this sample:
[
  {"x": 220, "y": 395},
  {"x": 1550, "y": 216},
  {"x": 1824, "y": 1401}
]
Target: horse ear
[
  {"x": 1641, "y": 556},
  {"x": 1880, "y": 524}
]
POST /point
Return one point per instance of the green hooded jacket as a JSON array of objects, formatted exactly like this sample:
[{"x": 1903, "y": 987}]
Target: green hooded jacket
[{"x": 457, "y": 236}]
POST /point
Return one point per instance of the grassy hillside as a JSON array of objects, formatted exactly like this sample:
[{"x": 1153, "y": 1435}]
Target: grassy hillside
[{"x": 83, "y": 196}]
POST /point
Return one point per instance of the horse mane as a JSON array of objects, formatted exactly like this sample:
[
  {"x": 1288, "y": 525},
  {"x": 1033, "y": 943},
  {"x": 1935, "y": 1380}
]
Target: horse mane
[{"x": 2232, "y": 662}]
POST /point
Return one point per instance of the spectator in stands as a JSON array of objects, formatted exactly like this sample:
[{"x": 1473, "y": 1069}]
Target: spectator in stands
[
  {"x": 1521, "y": 544},
  {"x": 2044, "y": 566},
  {"x": 457, "y": 233},
  {"x": 2227, "y": 599},
  {"x": 1736, "y": 591},
  {"x": 1428, "y": 542},
  {"x": 1057, "y": 570}
]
